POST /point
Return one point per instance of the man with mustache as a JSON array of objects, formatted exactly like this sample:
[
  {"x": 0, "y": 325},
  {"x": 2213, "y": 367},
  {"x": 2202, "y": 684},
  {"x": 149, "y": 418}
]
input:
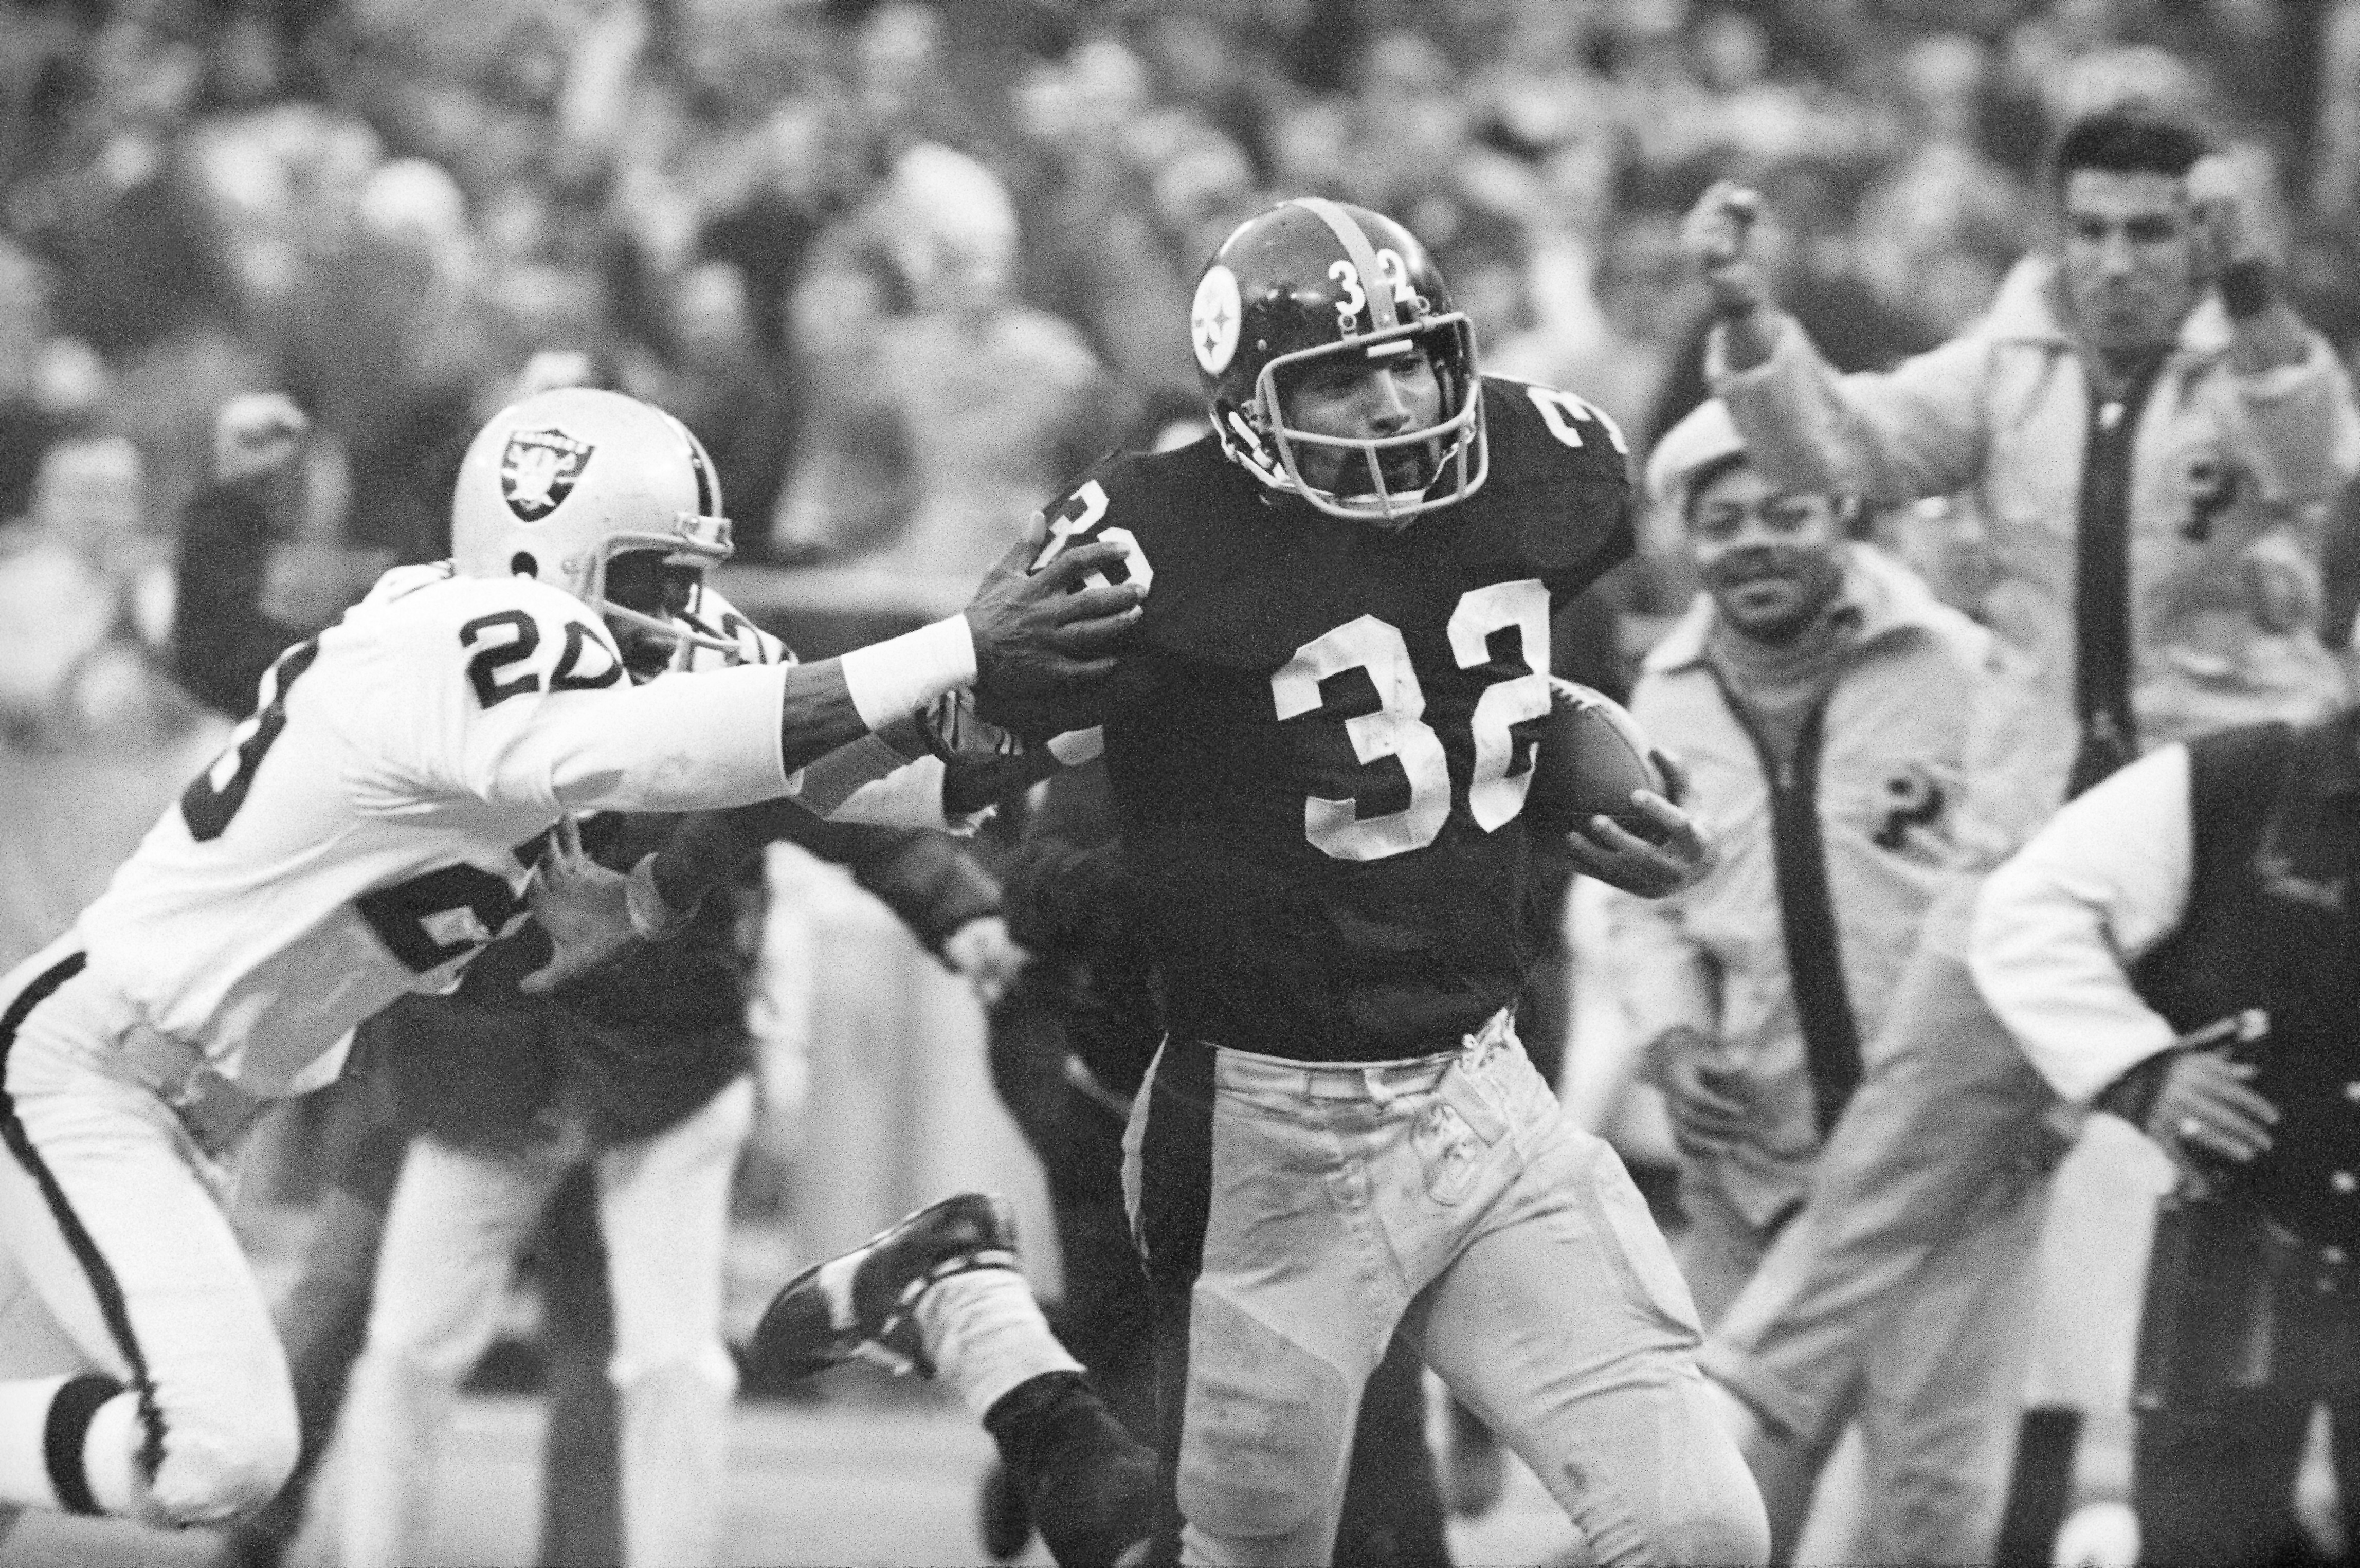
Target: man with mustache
[
  {"x": 1816, "y": 695},
  {"x": 2146, "y": 428}
]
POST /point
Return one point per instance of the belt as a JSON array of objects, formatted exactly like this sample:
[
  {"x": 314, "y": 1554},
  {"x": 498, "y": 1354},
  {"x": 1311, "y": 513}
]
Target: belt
[
  {"x": 215, "y": 1111},
  {"x": 1377, "y": 1081}
]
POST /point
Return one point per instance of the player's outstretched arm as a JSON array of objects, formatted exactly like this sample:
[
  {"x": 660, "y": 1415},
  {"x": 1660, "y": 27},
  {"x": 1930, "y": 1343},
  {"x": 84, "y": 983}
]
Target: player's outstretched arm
[{"x": 1024, "y": 636}]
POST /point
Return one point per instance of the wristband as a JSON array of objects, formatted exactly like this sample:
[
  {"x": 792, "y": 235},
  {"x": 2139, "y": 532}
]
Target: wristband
[
  {"x": 2247, "y": 287},
  {"x": 892, "y": 678},
  {"x": 652, "y": 918}
]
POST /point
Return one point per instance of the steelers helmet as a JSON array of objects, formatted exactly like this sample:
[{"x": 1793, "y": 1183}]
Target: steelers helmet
[
  {"x": 1311, "y": 281},
  {"x": 560, "y": 484}
]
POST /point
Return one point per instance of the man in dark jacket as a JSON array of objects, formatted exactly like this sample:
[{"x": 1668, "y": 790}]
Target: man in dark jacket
[{"x": 2177, "y": 947}]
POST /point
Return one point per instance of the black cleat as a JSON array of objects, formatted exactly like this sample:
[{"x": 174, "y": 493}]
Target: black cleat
[{"x": 862, "y": 1303}]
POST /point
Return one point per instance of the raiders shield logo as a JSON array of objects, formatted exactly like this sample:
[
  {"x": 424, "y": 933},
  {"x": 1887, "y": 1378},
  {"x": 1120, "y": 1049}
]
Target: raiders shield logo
[{"x": 538, "y": 471}]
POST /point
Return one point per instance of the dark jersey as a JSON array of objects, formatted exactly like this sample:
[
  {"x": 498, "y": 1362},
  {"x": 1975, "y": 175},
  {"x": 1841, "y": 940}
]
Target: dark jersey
[{"x": 1320, "y": 735}]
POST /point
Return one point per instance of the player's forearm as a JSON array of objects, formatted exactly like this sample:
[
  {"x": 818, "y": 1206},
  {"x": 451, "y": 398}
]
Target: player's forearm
[
  {"x": 708, "y": 847},
  {"x": 221, "y": 640},
  {"x": 831, "y": 703}
]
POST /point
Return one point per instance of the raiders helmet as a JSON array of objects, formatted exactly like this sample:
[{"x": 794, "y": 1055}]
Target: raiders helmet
[
  {"x": 1311, "y": 281},
  {"x": 558, "y": 485}
]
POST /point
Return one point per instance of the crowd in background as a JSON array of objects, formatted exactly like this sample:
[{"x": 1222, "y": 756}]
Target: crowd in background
[{"x": 749, "y": 209}]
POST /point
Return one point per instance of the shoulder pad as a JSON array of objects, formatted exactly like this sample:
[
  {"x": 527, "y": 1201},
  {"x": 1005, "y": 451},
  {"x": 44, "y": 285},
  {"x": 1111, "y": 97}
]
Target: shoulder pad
[
  {"x": 1530, "y": 416},
  {"x": 1094, "y": 509}
]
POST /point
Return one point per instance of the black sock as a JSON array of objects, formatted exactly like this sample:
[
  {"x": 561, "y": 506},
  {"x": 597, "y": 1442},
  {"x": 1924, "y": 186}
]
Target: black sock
[{"x": 1090, "y": 1484}]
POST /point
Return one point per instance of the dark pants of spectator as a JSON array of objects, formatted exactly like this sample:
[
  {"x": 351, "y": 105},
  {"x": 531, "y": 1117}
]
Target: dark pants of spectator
[
  {"x": 325, "y": 1323},
  {"x": 1392, "y": 1510},
  {"x": 2217, "y": 1489},
  {"x": 2245, "y": 1331}
]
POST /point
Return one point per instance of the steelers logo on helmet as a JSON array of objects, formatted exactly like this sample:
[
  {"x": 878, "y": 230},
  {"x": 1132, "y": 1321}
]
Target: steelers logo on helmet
[
  {"x": 537, "y": 470},
  {"x": 1324, "y": 293},
  {"x": 1214, "y": 319}
]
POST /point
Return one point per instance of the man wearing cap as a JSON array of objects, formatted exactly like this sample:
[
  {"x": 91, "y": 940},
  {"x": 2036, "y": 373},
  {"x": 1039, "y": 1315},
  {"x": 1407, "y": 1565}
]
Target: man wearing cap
[
  {"x": 2151, "y": 433},
  {"x": 1816, "y": 694}
]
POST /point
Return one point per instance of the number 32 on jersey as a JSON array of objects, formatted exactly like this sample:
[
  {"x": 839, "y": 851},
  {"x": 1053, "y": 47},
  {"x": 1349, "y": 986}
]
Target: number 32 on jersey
[{"x": 1398, "y": 728}]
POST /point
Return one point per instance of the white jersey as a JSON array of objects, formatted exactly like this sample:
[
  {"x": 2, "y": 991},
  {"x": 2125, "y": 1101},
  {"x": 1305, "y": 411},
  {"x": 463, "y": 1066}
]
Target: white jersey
[{"x": 360, "y": 836}]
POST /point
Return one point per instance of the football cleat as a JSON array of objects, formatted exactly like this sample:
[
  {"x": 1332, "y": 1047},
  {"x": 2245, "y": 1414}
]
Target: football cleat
[{"x": 862, "y": 1304}]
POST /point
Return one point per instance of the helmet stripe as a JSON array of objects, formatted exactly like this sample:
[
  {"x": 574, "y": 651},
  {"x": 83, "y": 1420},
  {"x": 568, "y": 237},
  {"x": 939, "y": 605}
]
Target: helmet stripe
[
  {"x": 708, "y": 502},
  {"x": 1355, "y": 241}
]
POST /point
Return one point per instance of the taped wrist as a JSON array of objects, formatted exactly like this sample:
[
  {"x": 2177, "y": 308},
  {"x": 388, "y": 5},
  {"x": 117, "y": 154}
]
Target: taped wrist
[
  {"x": 892, "y": 678},
  {"x": 651, "y": 917}
]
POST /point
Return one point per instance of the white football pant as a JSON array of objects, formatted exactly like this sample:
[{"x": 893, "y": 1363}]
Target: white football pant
[{"x": 459, "y": 1218}]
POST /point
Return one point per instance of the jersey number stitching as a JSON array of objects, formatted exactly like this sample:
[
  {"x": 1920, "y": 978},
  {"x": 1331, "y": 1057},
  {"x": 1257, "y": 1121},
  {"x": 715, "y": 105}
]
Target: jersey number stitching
[
  {"x": 564, "y": 678},
  {"x": 1501, "y": 777},
  {"x": 483, "y": 670},
  {"x": 1565, "y": 414},
  {"x": 213, "y": 796}
]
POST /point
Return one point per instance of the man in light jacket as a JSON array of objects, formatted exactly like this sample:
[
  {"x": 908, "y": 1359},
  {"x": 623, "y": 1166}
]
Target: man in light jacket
[
  {"x": 1816, "y": 694},
  {"x": 2151, "y": 435}
]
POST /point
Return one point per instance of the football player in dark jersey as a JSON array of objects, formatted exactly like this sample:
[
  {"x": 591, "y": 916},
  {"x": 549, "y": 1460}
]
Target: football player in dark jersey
[{"x": 1320, "y": 737}]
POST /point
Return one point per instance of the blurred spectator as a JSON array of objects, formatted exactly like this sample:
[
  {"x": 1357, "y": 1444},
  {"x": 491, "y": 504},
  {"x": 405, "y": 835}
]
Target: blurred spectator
[
  {"x": 986, "y": 401},
  {"x": 710, "y": 371}
]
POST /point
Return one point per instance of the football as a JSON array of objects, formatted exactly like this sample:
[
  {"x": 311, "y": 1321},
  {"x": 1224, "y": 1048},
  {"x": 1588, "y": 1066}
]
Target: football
[{"x": 1592, "y": 756}]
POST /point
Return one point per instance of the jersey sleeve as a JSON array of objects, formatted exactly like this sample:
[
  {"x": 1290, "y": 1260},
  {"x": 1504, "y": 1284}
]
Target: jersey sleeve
[
  {"x": 1571, "y": 464},
  {"x": 519, "y": 701}
]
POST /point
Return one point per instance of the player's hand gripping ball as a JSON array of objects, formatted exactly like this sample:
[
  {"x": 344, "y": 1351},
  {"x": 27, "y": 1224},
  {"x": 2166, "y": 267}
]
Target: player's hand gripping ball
[{"x": 1601, "y": 783}]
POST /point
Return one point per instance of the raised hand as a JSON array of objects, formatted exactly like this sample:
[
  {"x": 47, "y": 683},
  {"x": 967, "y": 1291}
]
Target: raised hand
[
  {"x": 2239, "y": 218},
  {"x": 1719, "y": 238},
  {"x": 257, "y": 432},
  {"x": 259, "y": 438}
]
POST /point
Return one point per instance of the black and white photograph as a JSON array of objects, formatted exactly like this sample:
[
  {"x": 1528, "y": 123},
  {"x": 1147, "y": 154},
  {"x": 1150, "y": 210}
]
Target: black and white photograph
[{"x": 1118, "y": 783}]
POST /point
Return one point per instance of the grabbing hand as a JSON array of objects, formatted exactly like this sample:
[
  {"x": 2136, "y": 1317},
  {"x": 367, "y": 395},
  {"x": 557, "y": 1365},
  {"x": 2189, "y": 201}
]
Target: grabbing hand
[
  {"x": 987, "y": 955},
  {"x": 2205, "y": 1111},
  {"x": 1621, "y": 858},
  {"x": 583, "y": 906},
  {"x": 1709, "y": 1104},
  {"x": 1039, "y": 633},
  {"x": 1719, "y": 237}
]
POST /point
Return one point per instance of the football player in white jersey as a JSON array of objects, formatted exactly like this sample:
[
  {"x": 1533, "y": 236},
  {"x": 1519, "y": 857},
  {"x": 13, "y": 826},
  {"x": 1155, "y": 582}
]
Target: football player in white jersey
[{"x": 356, "y": 842}]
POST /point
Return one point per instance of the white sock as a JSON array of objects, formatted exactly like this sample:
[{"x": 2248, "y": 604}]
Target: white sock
[
  {"x": 109, "y": 1448},
  {"x": 110, "y": 1455},
  {"x": 985, "y": 1335}
]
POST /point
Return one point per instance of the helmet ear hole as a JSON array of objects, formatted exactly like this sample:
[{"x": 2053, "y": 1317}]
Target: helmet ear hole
[{"x": 522, "y": 564}]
